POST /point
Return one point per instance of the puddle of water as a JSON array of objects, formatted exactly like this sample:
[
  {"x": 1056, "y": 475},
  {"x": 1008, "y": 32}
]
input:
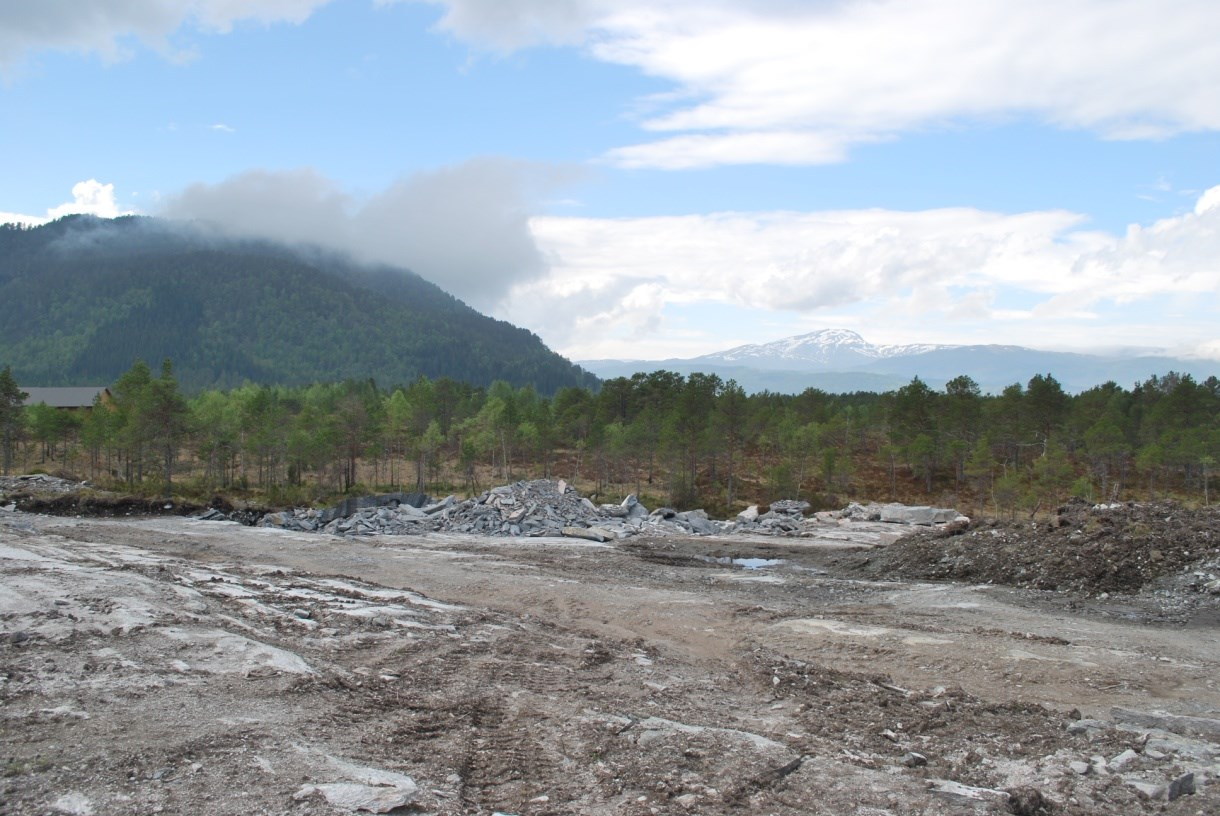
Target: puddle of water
[
  {"x": 744, "y": 563},
  {"x": 756, "y": 563}
]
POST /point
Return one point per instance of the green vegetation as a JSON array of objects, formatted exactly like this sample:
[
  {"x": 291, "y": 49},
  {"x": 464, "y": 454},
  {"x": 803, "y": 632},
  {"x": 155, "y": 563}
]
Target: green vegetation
[
  {"x": 81, "y": 297},
  {"x": 684, "y": 441}
]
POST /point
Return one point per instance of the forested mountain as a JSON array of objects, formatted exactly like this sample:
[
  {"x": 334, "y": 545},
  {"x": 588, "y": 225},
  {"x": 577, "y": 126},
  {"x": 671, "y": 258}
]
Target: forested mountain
[{"x": 81, "y": 297}]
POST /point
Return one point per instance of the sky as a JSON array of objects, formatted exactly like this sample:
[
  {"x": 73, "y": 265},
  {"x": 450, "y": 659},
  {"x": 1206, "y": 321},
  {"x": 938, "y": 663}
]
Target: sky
[{"x": 670, "y": 178}]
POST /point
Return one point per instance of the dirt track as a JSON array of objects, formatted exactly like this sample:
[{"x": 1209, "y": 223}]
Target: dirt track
[{"x": 170, "y": 665}]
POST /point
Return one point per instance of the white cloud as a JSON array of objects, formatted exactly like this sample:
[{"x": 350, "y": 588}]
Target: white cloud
[
  {"x": 1209, "y": 350},
  {"x": 21, "y": 218},
  {"x": 800, "y": 83},
  {"x": 101, "y": 26},
  {"x": 220, "y": 127},
  {"x": 1209, "y": 201},
  {"x": 89, "y": 197},
  {"x": 295, "y": 206},
  {"x": 466, "y": 227},
  {"x": 622, "y": 287}
]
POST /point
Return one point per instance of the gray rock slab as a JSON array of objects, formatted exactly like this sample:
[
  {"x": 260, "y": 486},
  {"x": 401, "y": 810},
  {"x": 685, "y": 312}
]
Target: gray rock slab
[
  {"x": 1153, "y": 790},
  {"x": 956, "y": 789},
  {"x": 1086, "y": 725},
  {"x": 588, "y": 533},
  {"x": 353, "y": 796},
  {"x": 903, "y": 514},
  {"x": 1175, "y": 723}
]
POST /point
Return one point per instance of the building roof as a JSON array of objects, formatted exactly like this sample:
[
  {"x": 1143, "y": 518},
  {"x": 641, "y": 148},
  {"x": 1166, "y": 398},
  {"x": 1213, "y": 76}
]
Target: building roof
[{"x": 74, "y": 397}]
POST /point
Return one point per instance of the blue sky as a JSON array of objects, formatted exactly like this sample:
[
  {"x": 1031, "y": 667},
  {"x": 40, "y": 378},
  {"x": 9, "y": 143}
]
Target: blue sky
[{"x": 668, "y": 178}]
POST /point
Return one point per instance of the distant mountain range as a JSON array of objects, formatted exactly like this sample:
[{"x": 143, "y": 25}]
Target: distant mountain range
[
  {"x": 841, "y": 361},
  {"x": 82, "y": 297}
]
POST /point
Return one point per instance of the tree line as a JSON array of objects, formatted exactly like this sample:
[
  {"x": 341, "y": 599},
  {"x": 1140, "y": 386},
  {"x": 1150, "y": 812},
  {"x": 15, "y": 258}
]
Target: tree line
[{"x": 686, "y": 441}]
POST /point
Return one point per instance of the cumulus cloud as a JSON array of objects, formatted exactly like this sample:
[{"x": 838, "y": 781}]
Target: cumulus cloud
[
  {"x": 801, "y": 82},
  {"x": 101, "y": 26},
  {"x": 89, "y": 197},
  {"x": 466, "y": 228},
  {"x": 619, "y": 286}
]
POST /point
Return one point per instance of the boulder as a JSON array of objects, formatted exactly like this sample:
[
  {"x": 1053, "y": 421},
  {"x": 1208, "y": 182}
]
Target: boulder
[
  {"x": 921, "y": 515},
  {"x": 597, "y": 534},
  {"x": 635, "y": 510},
  {"x": 440, "y": 506},
  {"x": 697, "y": 522}
]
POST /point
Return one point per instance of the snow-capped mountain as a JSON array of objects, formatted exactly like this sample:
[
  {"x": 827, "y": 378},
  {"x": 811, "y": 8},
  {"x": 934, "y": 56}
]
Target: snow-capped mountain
[
  {"x": 825, "y": 350},
  {"x": 839, "y": 360}
]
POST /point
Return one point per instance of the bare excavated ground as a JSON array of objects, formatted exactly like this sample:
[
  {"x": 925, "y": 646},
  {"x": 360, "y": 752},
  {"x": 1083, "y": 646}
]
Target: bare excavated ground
[{"x": 168, "y": 665}]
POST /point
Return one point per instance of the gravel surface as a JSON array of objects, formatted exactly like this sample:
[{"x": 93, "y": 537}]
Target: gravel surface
[{"x": 169, "y": 665}]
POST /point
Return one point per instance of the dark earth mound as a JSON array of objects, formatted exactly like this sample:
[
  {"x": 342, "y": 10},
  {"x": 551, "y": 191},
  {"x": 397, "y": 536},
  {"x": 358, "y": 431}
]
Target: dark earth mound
[{"x": 1115, "y": 548}]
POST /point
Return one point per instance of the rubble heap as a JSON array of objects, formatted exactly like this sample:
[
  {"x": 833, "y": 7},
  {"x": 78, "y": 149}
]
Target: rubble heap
[
  {"x": 535, "y": 508},
  {"x": 540, "y": 507},
  {"x": 785, "y": 517},
  {"x": 545, "y": 507}
]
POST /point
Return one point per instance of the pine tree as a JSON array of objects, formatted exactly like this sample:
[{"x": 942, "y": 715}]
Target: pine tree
[
  {"x": 12, "y": 399},
  {"x": 166, "y": 419}
]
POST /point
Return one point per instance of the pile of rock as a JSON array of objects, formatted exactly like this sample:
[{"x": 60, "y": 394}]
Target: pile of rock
[
  {"x": 387, "y": 513},
  {"x": 785, "y": 517},
  {"x": 529, "y": 508},
  {"x": 546, "y": 507},
  {"x": 666, "y": 521},
  {"x": 553, "y": 508},
  {"x": 1173, "y": 751},
  {"x": 537, "y": 508}
]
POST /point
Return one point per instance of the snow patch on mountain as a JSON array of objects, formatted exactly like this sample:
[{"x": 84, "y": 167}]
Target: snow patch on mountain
[{"x": 823, "y": 347}]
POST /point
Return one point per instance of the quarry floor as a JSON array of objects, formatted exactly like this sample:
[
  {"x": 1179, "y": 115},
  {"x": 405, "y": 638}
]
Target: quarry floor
[{"x": 170, "y": 665}]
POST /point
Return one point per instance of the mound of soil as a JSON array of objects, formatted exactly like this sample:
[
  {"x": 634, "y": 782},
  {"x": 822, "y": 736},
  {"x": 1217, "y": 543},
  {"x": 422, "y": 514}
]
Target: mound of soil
[
  {"x": 102, "y": 505},
  {"x": 1085, "y": 548},
  {"x": 61, "y": 494}
]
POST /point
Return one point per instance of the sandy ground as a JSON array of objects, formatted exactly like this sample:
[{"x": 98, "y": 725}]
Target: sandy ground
[{"x": 168, "y": 665}]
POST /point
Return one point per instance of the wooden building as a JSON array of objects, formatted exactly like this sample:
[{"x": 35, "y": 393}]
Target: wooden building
[{"x": 74, "y": 398}]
